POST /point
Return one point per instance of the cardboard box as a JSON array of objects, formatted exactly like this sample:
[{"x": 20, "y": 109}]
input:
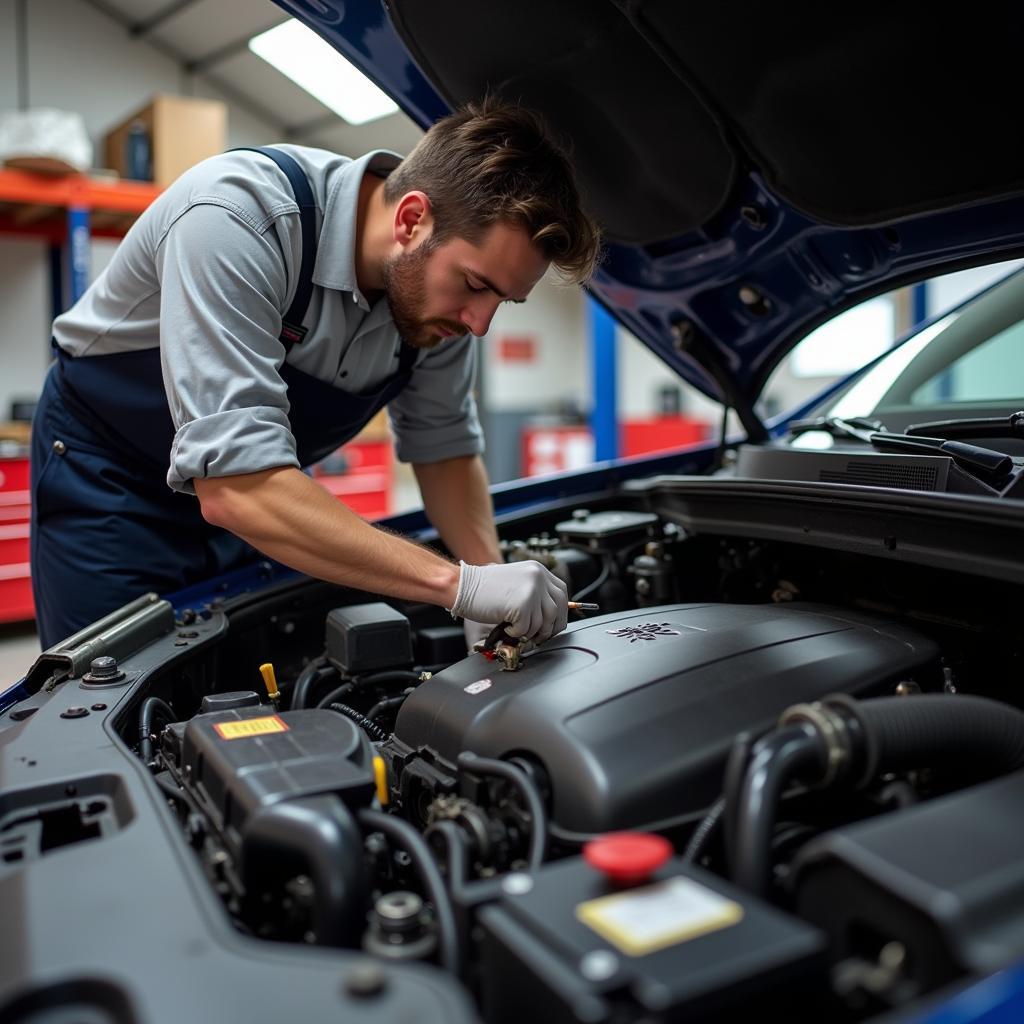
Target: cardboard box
[{"x": 182, "y": 131}]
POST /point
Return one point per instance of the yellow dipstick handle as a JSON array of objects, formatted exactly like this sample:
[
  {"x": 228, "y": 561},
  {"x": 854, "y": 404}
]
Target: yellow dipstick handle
[
  {"x": 270, "y": 681},
  {"x": 380, "y": 774}
]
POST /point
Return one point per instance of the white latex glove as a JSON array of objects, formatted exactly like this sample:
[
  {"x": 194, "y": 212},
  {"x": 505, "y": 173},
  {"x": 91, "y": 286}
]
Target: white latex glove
[
  {"x": 475, "y": 631},
  {"x": 533, "y": 601}
]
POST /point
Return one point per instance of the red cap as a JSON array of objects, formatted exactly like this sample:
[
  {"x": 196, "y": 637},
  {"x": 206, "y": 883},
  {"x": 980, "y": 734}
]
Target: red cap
[{"x": 626, "y": 858}]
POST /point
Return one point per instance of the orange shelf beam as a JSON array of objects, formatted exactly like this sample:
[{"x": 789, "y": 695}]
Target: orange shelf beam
[{"x": 75, "y": 190}]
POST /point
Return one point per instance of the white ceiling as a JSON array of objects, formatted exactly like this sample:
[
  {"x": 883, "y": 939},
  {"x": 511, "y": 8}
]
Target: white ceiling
[{"x": 209, "y": 39}]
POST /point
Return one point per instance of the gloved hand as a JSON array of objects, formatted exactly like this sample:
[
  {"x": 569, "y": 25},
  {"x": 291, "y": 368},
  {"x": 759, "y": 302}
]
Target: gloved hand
[
  {"x": 533, "y": 601},
  {"x": 474, "y": 631}
]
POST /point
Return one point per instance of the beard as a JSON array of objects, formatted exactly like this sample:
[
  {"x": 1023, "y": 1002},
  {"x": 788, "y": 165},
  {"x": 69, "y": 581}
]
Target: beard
[{"x": 405, "y": 287}]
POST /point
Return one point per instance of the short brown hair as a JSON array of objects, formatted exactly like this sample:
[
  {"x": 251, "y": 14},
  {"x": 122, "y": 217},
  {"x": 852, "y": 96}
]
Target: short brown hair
[{"x": 494, "y": 162}]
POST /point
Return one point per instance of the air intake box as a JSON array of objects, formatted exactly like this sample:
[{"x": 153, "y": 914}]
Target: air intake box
[{"x": 240, "y": 761}]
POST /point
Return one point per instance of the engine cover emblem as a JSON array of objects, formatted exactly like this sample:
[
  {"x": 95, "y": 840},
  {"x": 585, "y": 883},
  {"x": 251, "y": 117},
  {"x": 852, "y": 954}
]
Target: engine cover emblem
[{"x": 645, "y": 631}]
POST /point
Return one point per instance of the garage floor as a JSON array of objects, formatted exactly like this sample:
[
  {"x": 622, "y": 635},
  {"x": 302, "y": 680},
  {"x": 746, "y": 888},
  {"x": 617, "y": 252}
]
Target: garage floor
[{"x": 19, "y": 647}]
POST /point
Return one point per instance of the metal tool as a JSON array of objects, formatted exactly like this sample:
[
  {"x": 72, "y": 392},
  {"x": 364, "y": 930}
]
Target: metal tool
[{"x": 500, "y": 646}]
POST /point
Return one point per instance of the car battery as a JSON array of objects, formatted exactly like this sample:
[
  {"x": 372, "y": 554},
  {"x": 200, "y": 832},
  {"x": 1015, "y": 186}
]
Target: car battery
[{"x": 569, "y": 944}]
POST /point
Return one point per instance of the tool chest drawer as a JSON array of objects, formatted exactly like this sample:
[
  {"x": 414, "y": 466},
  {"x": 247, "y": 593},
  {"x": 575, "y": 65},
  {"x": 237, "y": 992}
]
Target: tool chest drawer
[{"x": 15, "y": 513}]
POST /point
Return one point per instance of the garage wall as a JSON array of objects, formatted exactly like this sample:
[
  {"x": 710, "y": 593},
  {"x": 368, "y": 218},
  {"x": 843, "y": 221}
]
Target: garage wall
[
  {"x": 80, "y": 60},
  {"x": 549, "y": 367}
]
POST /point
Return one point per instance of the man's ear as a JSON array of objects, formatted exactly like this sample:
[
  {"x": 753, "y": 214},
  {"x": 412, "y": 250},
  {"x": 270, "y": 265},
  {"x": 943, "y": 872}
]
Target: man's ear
[{"x": 413, "y": 218}]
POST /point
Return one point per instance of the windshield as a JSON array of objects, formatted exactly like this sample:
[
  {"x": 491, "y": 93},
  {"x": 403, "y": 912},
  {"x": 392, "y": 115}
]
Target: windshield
[{"x": 969, "y": 363}]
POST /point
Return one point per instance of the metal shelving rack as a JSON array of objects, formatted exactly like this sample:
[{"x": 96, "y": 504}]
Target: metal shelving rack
[{"x": 68, "y": 211}]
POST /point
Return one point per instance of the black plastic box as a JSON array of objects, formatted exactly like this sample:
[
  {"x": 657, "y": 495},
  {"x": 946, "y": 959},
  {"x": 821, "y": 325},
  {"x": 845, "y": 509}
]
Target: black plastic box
[
  {"x": 540, "y": 961},
  {"x": 237, "y": 762},
  {"x": 964, "y": 854},
  {"x": 365, "y": 637}
]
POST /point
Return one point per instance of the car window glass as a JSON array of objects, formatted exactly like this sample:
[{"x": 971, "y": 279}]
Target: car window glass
[
  {"x": 993, "y": 371},
  {"x": 865, "y": 332}
]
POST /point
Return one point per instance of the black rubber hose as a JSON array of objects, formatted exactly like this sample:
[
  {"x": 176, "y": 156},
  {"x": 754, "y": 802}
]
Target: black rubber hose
[
  {"x": 374, "y": 679},
  {"x": 147, "y": 715},
  {"x": 395, "y": 675},
  {"x": 735, "y": 769},
  {"x": 334, "y": 697},
  {"x": 704, "y": 831},
  {"x": 304, "y": 682},
  {"x": 775, "y": 761},
  {"x": 386, "y": 705},
  {"x": 372, "y": 729},
  {"x": 885, "y": 734},
  {"x": 468, "y": 761},
  {"x": 901, "y": 733},
  {"x": 597, "y": 584},
  {"x": 170, "y": 789},
  {"x": 318, "y": 837},
  {"x": 456, "y": 852},
  {"x": 404, "y": 835}
]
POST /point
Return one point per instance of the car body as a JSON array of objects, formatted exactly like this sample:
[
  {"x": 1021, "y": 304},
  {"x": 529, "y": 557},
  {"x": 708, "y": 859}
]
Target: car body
[{"x": 176, "y": 842}]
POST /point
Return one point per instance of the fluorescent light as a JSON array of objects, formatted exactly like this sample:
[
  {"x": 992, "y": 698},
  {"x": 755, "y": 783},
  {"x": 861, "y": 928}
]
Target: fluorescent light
[{"x": 314, "y": 65}]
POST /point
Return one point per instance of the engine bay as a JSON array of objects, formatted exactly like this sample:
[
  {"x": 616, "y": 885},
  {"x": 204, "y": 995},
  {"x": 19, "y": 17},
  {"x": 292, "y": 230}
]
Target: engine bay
[{"x": 763, "y": 770}]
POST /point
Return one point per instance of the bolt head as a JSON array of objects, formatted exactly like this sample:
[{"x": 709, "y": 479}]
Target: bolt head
[
  {"x": 399, "y": 906},
  {"x": 599, "y": 965},
  {"x": 365, "y": 980},
  {"x": 517, "y": 884}
]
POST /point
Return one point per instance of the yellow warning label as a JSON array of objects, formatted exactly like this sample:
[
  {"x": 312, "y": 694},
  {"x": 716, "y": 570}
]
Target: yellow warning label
[
  {"x": 642, "y": 921},
  {"x": 249, "y": 727}
]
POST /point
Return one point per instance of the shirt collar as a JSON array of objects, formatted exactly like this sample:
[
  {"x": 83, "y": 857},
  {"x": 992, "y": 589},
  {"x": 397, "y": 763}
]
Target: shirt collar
[{"x": 335, "y": 265}]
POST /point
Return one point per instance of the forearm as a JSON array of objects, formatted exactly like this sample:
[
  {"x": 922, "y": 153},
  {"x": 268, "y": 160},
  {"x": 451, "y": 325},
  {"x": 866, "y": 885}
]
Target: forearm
[
  {"x": 457, "y": 502},
  {"x": 292, "y": 519}
]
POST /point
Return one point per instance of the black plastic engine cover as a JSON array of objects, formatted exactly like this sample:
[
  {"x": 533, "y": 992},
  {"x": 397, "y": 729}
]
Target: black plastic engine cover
[{"x": 632, "y": 714}]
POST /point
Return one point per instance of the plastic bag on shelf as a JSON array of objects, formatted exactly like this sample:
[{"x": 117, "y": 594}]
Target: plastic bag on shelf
[{"x": 45, "y": 139}]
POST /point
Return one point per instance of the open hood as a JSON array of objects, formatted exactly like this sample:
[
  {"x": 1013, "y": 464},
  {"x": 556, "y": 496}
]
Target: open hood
[{"x": 756, "y": 170}]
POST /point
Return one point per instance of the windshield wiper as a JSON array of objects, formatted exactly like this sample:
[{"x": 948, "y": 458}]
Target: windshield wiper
[
  {"x": 970, "y": 457},
  {"x": 993, "y": 426},
  {"x": 852, "y": 426}
]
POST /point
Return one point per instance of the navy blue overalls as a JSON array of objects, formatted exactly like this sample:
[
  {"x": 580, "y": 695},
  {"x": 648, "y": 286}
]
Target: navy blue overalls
[{"x": 106, "y": 527}]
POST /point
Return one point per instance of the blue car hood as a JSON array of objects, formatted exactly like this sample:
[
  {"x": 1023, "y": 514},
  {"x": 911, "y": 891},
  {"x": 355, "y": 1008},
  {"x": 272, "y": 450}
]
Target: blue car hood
[{"x": 755, "y": 169}]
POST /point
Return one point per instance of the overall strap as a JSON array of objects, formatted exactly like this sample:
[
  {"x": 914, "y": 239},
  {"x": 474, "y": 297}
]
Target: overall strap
[
  {"x": 292, "y": 330},
  {"x": 407, "y": 357}
]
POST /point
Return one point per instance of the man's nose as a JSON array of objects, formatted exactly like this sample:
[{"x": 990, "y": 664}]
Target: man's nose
[{"x": 478, "y": 315}]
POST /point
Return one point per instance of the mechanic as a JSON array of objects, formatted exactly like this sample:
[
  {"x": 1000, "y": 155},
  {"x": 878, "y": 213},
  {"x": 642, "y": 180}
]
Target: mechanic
[{"x": 256, "y": 316}]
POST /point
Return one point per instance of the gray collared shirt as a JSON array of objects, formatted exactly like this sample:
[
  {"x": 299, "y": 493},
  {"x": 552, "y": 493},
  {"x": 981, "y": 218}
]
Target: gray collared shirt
[{"x": 206, "y": 274}]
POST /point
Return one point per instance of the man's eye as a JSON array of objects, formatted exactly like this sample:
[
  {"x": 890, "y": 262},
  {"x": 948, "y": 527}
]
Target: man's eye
[{"x": 473, "y": 288}]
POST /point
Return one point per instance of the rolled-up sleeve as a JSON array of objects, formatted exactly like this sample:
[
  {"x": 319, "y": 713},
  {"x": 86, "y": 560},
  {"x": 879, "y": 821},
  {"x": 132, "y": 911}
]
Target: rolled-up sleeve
[
  {"x": 223, "y": 283},
  {"x": 434, "y": 417}
]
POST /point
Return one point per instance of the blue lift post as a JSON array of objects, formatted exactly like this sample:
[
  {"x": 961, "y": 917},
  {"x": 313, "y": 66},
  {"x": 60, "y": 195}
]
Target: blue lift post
[
  {"x": 56, "y": 281},
  {"x": 78, "y": 252},
  {"x": 604, "y": 417},
  {"x": 919, "y": 303}
]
